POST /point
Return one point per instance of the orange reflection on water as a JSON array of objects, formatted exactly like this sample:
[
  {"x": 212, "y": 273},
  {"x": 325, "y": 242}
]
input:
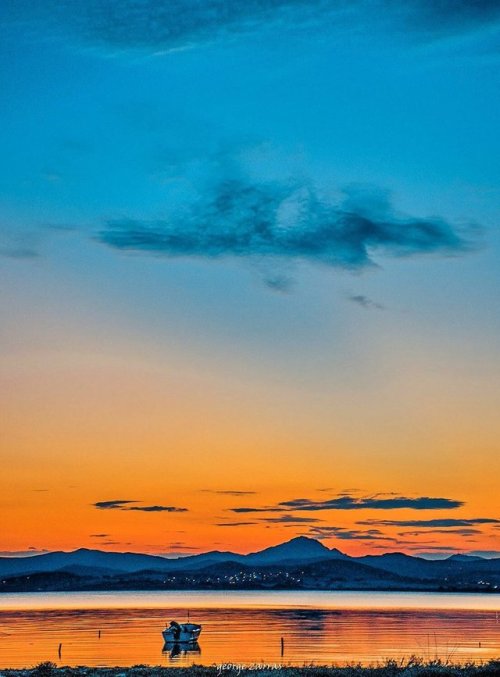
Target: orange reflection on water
[
  {"x": 237, "y": 632},
  {"x": 237, "y": 599}
]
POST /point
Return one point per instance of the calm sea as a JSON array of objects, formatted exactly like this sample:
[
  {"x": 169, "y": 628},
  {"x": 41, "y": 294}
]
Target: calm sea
[{"x": 124, "y": 628}]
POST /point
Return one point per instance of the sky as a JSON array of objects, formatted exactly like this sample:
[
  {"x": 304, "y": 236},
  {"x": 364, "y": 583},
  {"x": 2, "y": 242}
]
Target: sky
[{"x": 249, "y": 286}]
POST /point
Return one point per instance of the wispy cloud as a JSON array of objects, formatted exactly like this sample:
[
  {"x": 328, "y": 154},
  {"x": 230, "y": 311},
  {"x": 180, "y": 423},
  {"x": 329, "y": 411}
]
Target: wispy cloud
[
  {"x": 349, "y": 502},
  {"x": 458, "y": 532},
  {"x": 431, "y": 523},
  {"x": 488, "y": 554},
  {"x": 19, "y": 245},
  {"x": 163, "y": 26},
  {"x": 117, "y": 504},
  {"x": 289, "y": 519},
  {"x": 121, "y": 504},
  {"x": 157, "y": 508},
  {"x": 266, "y": 508},
  {"x": 286, "y": 221},
  {"x": 229, "y": 492},
  {"x": 30, "y": 552},
  {"x": 365, "y": 302},
  {"x": 348, "y": 534},
  {"x": 285, "y": 519}
]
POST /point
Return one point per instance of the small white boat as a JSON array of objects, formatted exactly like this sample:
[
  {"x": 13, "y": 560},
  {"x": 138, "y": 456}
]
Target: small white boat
[{"x": 181, "y": 632}]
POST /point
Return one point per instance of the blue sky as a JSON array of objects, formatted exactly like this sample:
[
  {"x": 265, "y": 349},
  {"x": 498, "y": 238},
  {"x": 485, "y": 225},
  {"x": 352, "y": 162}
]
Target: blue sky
[{"x": 304, "y": 195}]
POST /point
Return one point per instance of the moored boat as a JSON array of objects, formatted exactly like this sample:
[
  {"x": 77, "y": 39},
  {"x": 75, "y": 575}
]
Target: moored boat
[{"x": 181, "y": 632}]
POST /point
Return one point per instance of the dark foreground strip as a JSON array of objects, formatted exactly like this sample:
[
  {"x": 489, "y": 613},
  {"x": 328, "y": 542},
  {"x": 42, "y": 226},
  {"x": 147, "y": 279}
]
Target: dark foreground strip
[{"x": 410, "y": 668}]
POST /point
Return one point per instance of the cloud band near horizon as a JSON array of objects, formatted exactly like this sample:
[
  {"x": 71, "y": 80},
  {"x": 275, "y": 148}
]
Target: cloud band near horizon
[{"x": 348, "y": 502}]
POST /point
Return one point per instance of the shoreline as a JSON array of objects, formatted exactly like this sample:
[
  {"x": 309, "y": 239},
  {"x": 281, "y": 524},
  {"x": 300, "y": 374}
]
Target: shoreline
[{"x": 410, "y": 668}]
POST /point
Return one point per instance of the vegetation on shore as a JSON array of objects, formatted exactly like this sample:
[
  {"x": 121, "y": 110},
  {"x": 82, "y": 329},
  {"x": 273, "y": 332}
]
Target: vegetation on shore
[{"x": 413, "y": 667}]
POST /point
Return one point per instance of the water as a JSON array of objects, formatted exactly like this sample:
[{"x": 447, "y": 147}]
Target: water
[{"x": 246, "y": 627}]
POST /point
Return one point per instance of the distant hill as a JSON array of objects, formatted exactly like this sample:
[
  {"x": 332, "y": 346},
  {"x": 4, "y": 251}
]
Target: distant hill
[
  {"x": 97, "y": 559},
  {"x": 300, "y": 549},
  {"x": 297, "y": 549},
  {"x": 302, "y": 563}
]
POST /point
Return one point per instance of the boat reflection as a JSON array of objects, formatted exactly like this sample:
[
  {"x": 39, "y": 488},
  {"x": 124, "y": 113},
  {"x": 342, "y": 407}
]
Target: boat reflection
[{"x": 177, "y": 650}]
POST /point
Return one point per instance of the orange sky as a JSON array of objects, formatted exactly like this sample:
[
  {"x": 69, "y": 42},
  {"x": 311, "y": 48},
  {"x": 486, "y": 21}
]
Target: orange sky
[
  {"x": 249, "y": 251},
  {"x": 89, "y": 419}
]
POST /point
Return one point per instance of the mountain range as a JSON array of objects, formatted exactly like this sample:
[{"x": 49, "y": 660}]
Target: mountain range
[{"x": 299, "y": 563}]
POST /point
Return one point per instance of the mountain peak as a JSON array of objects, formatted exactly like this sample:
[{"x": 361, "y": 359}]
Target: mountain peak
[{"x": 298, "y": 548}]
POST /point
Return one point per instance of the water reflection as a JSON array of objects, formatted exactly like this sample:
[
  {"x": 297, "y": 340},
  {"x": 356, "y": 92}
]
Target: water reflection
[
  {"x": 231, "y": 634},
  {"x": 179, "y": 650}
]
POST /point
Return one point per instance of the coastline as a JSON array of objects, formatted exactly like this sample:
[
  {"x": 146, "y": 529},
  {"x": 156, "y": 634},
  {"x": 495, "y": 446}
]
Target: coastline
[{"x": 410, "y": 668}]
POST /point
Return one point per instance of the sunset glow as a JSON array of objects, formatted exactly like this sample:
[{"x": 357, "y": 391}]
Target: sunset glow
[{"x": 249, "y": 278}]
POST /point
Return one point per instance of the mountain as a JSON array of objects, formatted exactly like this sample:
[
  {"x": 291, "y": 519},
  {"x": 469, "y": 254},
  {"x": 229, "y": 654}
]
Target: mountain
[
  {"x": 399, "y": 563},
  {"x": 301, "y": 563},
  {"x": 96, "y": 559},
  {"x": 298, "y": 549},
  {"x": 301, "y": 549},
  {"x": 465, "y": 558}
]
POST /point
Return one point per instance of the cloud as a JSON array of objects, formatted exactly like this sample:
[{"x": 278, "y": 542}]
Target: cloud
[
  {"x": 424, "y": 532},
  {"x": 19, "y": 245},
  {"x": 157, "y": 508},
  {"x": 99, "y": 535},
  {"x": 348, "y": 534},
  {"x": 452, "y": 15},
  {"x": 365, "y": 302},
  {"x": 30, "y": 552},
  {"x": 347, "y": 502},
  {"x": 229, "y": 492},
  {"x": 117, "y": 504},
  {"x": 286, "y": 222},
  {"x": 289, "y": 519},
  {"x": 252, "y": 510},
  {"x": 438, "y": 523},
  {"x": 488, "y": 554},
  {"x": 122, "y": 504},
  {"x": 159, "y": 27}
]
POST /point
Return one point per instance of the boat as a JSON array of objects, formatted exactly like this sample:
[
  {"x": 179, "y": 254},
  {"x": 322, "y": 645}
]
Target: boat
[{"x": 181, "y": 633}]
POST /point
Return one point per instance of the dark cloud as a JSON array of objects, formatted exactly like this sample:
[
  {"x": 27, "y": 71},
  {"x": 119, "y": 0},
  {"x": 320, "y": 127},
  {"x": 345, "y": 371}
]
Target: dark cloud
[
  {"x": 437, "y": 523},
  {"x": 279, "y": 283},
  {"x": 229, "y": 492},
  {"x": 348, "y": 534},
  {"x": 451, "y": 15},
  {"x": 458, "y": 532},
  {"x": 162, "y": 26},
  {"x": 126, "y": 505},
  {"x": 99, "y": 535},
  {"x": 235, "y": 524},
  {"x": 117, "y": 504},
  {"x": 365, "y": 302},
  {"x": 349, "y": 502},
  {"x": 289, "y": 519},
  {"x": 285, "y": 519},
  {"x": 157, "y": 508},
  {"x": 346, "y": 502},
  {"x": 252, "y": 510},
  {"x": 286, "y": 221},
  {"x": 111, "y": 543}
]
